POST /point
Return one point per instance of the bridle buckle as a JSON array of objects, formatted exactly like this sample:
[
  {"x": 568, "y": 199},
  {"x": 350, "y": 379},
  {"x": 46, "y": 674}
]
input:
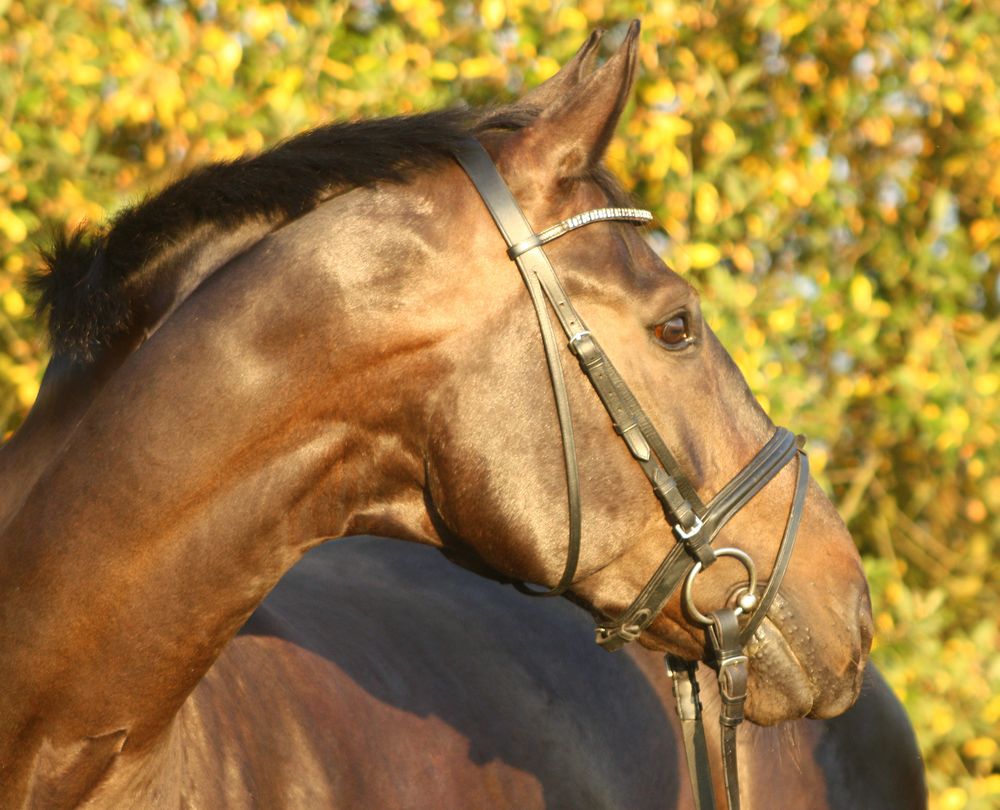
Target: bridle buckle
[{"x": 686, "y": 534}]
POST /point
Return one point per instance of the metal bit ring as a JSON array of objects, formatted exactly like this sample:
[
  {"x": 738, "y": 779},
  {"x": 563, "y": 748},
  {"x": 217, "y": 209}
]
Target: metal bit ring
[{"x": 747, "y": 599}]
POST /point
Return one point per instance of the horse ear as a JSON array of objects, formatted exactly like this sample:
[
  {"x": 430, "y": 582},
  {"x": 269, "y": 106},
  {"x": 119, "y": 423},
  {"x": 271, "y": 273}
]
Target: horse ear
[
  {"x": 570, "y": 136},
  {"x": 557, "y": 87}
]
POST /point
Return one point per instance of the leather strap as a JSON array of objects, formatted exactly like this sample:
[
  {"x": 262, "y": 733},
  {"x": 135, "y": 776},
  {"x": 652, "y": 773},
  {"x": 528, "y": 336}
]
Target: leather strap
[
  {"x": 578, "y": 221},
  {"x": 678, "y": 497},
  {"x": 768, "y": 462},
  {"x": 514, "y": 228},
  {"x": 784, "y": 550},
  {"x": 683, "y": 677},
  {"x": 724, "y": 638},
  {"x": 694, "y": 524}
]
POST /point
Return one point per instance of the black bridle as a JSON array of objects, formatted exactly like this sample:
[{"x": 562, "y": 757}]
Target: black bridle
[{"x": 694, "y": 524}]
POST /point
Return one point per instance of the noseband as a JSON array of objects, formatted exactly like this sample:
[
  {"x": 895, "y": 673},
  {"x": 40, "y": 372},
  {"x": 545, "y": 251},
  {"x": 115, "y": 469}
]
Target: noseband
[{"x": 693, "y": 523}]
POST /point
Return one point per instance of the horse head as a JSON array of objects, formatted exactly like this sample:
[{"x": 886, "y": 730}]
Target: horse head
[{"x": 494, "y": 465}]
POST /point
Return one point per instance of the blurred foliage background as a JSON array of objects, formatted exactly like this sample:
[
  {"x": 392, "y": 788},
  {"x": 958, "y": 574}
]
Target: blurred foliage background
[{"x": 828, "y": 174}]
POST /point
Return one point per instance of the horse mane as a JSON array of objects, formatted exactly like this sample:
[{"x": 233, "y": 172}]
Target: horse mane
[{"x": 98, "y": 285}]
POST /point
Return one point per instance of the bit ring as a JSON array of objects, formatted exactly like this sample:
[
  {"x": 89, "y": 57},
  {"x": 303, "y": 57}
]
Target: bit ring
[{"x": 747, "y": 600}]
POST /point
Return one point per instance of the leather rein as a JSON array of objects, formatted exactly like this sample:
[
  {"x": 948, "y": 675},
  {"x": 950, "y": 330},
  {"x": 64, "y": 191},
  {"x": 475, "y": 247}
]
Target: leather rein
[{"x": 693, "y": 523}]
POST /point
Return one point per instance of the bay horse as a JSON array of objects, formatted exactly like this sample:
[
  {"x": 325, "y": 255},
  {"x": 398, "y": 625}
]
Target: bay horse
[
  {"x": 328, "y": 340},
  {"x": 469, "y": 695}
]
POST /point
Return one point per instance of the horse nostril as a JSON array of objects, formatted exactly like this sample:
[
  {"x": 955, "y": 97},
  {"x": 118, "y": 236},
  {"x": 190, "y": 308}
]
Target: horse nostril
[{"x": 866, "y": 628}]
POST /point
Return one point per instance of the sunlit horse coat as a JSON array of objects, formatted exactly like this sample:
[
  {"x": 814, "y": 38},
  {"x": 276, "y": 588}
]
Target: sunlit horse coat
[{"x": 328, "y": 340}]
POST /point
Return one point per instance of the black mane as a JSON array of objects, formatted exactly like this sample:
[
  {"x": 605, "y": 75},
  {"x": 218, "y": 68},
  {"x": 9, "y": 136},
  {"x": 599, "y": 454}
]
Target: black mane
[
  {"x": 89, "y": 279},
  {"x": 100, "y": 286}
]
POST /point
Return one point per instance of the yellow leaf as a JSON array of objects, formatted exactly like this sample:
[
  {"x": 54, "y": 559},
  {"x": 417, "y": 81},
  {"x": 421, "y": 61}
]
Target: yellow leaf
[
  {"x": 878, "y": 130},
  {"x": 11, "y": 141},
  {"x": 953, "y": 798},
  {"x": 742, "y": 257},
  {"x": 571, "y": 18},
  {"x": 702, "y": 254},
  {"x": 984, "y": 231},
  {"x": 366, "y": 62},
  {"x": 679, "y": 162},
  {"x": 793, "y": 24},
  {"x": 986, "y": 385},
  {"x": 953, "y": 101},
  {"x": 663, "y": 92},
  {"x": 84, "y": 75},
  {"x": 156, "y": 155},
  {"x": 807, "y": 72},
  {"x": 975, "y": 510},
  {"x": 27, "y": 393},
  {"x": 493, "y": 12},
  {"x": 477, "y": 67},
  {"x": 13, "y": 303},
  {"x": 229, "y": 55},
  {"x": 781, "y": 320},
  {"x": 861, "y": 293},
  {"x": 338, "y": 70},
  {"x": 706, "y": 203},
  {"x": 546, "y": 66},
  {"x": 12, "y": 226},
  {"x": 68, "y": 142},
  {"x": 444, "y": 71},
  {"x": 958, "y": 418},
  {"x": 720, "y": 138}
]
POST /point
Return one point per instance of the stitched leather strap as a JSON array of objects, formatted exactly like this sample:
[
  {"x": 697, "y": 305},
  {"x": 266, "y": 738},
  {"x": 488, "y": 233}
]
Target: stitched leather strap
[
  {"x": 724, "y": 638},
  {"x": 784, "y": 550},
  {"x": 768, "y": 462},
  {"x": 684, "y": 681},
  {"x": 515, "y": 228}
]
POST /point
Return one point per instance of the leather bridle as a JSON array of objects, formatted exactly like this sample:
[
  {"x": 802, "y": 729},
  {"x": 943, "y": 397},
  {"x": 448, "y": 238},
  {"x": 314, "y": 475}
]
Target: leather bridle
[{"x": 694, "y": 524}]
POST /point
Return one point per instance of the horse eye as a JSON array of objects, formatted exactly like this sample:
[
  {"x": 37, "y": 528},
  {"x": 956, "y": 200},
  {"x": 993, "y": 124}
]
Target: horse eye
[{"x": 674, "y": 334}]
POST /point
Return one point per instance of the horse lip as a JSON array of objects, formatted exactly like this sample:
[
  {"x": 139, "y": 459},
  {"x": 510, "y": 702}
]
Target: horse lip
[{"x": 787, "y": 691}]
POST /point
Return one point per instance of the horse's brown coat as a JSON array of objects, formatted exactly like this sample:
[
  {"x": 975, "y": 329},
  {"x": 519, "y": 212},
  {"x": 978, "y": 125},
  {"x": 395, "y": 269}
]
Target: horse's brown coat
[
  {"x": 423, "y": 686},
  {"x": 372, "y": 366}
]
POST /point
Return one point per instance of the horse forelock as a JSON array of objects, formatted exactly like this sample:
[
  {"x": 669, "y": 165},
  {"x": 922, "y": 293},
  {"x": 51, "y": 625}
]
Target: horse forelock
[{"x": 94, "y": 283}]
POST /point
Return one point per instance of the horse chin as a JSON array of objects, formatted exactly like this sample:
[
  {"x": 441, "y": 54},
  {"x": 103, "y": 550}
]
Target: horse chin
[{"x": 784, "y": 684}]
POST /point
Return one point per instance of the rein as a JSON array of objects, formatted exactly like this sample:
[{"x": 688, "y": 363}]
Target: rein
[{"x": 693, "y": 523}]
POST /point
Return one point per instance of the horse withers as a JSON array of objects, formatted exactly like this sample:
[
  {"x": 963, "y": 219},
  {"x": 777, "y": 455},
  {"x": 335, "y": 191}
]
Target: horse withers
[{"x": 330, "y": 339}]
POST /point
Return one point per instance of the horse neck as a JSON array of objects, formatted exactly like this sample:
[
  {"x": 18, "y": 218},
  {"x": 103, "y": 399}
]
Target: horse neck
[
  {"x": 217, "y": 453},
  {"x": 67, "y": 390},
  {"x": 69, "y": 385}
]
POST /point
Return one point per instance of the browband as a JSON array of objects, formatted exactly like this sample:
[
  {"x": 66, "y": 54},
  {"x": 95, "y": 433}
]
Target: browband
[{"x": 636, "y": 215}]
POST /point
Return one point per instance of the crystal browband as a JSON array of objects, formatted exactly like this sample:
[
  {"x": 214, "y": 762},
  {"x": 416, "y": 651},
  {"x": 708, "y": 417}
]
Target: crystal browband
[{"x": 636, "y": 215}]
